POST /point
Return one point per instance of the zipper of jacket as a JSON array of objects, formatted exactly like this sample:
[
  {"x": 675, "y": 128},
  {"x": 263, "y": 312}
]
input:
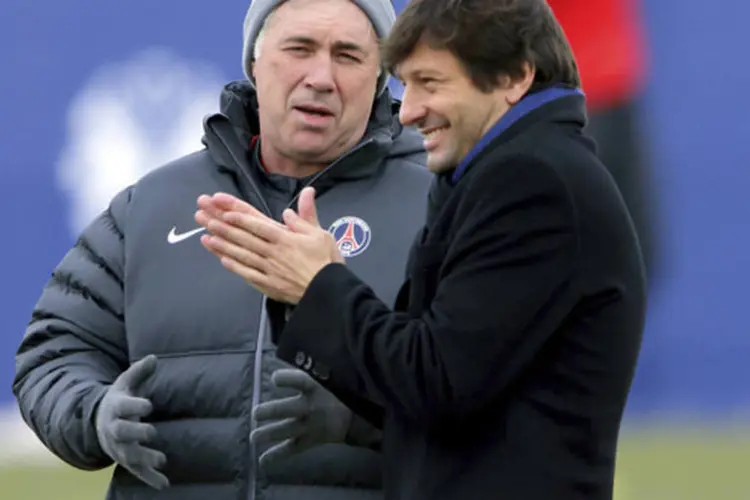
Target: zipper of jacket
[
  {"x": 259, "y": 339},
  {"x": 255, "y": 401},
  {"x": 263, "y": 323}
]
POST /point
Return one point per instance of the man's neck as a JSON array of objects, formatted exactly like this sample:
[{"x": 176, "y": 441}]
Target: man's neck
[
  {"x": 274, "y": 162},
  {"x": 496, "y": 113}
]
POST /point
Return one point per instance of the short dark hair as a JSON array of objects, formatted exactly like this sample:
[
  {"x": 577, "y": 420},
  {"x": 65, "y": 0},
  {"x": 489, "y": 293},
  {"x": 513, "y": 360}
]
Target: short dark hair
[{"x": 491, "y": 38}]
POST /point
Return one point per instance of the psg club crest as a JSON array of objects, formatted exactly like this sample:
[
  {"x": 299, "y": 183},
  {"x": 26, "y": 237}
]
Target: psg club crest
[{"x": 352, "y": 235}]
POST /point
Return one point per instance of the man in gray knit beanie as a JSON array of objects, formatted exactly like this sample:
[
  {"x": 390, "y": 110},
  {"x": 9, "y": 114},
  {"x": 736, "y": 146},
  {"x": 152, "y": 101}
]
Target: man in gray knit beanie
[{"x": 314, "y": 66}]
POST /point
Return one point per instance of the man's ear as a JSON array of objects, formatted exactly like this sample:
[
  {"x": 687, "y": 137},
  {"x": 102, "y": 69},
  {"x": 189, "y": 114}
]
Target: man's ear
[{"x": 517, "y": 87}]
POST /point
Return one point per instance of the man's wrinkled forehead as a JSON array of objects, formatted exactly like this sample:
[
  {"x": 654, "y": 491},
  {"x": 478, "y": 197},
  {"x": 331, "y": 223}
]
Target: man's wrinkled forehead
[{"x": 339, "y": 22}]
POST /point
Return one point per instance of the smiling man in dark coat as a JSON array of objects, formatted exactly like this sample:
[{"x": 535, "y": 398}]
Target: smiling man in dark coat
[{"x": 504, "y": 367}]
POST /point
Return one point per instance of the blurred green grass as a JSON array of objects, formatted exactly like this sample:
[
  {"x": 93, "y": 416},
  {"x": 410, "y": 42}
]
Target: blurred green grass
[
  {"x": 654, "y": 464},
  {"x": 678, "y": 463},
  {"x": 52, "y": 482}
]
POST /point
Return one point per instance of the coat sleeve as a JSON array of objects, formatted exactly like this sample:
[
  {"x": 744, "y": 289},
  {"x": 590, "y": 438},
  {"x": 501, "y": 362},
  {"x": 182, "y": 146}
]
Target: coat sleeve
[
  {"x": 74, "y": 345},
  {"x": 502, "y": 288},
  {"x": 367, "y": 421}
]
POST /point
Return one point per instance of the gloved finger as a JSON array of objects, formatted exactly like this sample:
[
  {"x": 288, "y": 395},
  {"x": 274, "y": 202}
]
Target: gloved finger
[
  {"x": 150, "y": 476},
  {"x": 138, "y": 373},
  {"x": 278, "y": 431},
  {"x": 280, "y": 452},
  {"x": 295, "y": 379},
  {"x": 292, "y": 407},
  {"x": 134, "y": 454},
  {"x": 127, "y": 431},
  {"x": 131, "y": 407}
]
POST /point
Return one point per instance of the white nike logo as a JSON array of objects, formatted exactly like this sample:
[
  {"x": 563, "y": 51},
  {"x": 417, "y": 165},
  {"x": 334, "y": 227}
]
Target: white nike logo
[{"x": 173, "y": 237}]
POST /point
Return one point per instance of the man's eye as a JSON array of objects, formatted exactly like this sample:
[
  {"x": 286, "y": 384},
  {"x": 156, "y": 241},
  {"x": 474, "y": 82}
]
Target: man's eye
[{"x": 350, "y": 58}]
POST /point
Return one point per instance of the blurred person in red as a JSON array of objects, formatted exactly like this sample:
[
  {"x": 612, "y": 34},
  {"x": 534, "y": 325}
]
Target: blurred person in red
[{"x": 609, "y": 45}]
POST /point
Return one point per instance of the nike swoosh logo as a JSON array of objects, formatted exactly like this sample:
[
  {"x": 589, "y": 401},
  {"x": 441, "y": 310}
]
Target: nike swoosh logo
[{"x": 173, "y": 237}]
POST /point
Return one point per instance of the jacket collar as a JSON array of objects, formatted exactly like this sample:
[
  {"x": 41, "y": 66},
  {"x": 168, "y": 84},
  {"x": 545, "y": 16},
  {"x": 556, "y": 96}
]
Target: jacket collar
[{"x": 553, "y": 104}]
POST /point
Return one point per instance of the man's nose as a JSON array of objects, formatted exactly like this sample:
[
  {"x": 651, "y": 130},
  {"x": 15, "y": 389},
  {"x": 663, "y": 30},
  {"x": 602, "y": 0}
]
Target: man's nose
[
  {"x": 412, "y": 110},
  {"x": 320, "y": 77}
]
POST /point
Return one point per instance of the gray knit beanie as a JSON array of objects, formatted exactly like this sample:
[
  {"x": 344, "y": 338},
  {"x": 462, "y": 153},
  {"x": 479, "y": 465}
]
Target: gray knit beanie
[{"x": 381, "y": 14}]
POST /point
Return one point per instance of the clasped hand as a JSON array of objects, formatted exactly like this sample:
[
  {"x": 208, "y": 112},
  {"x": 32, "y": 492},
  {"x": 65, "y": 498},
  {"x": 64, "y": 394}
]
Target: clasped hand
[{"x": 280, "y": 260}]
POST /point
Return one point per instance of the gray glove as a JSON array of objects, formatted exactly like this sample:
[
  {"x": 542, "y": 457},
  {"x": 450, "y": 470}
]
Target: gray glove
[
  {"x": 119, "y": 429},
  {"x": 297, "y": 423}
]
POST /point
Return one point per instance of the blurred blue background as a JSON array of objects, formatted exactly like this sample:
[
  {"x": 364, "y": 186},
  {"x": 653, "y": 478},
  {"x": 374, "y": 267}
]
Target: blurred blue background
[{"x": 93, "y": 94}]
